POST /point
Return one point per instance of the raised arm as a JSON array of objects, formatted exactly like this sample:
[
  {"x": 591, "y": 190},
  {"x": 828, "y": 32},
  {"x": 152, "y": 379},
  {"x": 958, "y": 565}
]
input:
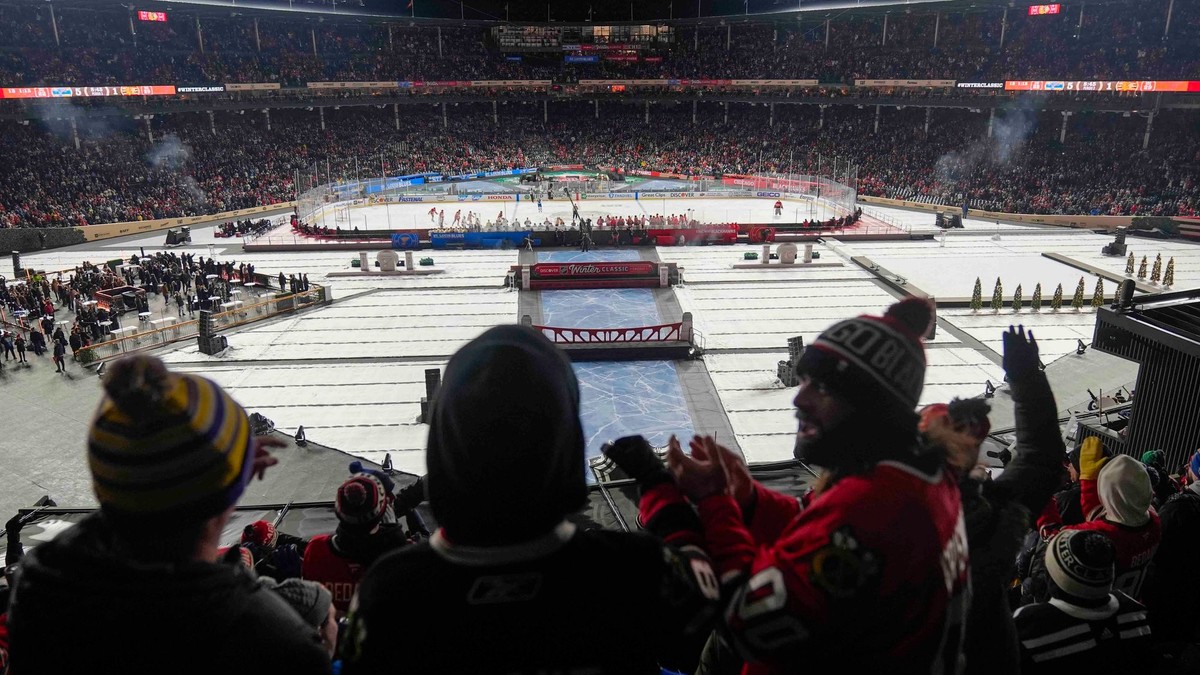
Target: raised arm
[{"x": 1036, "y": 470}]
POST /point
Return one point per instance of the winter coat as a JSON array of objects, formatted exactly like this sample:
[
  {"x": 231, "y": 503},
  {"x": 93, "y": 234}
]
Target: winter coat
[{"x": 134, "y": 617}]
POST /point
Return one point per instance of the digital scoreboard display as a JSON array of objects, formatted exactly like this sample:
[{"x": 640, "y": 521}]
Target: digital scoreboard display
[
  {"x": 143, "y": 15},
  {"x": 1038, "y": 10},
  {"x": 1103, "y": 85},
  {"x": 78, "y": 92}
]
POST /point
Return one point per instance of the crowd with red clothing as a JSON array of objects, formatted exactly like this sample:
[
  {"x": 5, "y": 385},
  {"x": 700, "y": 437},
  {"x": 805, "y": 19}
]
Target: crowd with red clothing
[
  {"x": 1095, "y": 171},
  {"x": 103, "y": 46},
  {"x": 905, "y": 554}
]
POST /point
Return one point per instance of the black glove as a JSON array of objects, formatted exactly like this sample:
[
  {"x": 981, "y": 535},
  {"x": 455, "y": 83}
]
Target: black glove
[
  {"x": 1020, "y": 352},
  {"x": 287, "y": 561},
  {"x": 13, "y": 526},
  {"x": 233, "y": 556},
  {"x": 417, "y": 529},
  {"x": 408, "y": 498},
  {"x": 634, "y": 456}
]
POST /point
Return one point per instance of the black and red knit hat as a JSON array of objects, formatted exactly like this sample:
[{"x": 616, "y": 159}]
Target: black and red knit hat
[
  {"x": 361, "y": 500},
  {"x": 877, "y": 363}
]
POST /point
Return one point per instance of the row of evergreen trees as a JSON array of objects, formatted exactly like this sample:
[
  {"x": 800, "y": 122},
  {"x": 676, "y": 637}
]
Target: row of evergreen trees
[
  {"x": 1167, "y": 279},
  {"x": 1035, "y": 303},
  {"x": 1077, "y": 302}
]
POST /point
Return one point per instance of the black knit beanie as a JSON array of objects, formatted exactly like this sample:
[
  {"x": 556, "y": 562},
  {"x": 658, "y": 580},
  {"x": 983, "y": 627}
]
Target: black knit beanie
[{"x": 506, "y": 447}]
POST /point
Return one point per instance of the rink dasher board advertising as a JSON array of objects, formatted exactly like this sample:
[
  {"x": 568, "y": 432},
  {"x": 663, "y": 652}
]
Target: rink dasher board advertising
[{"x": 441, "y": 240}]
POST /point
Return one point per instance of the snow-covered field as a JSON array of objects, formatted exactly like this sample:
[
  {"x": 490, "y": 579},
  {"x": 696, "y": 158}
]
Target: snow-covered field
[
  {"x": 352, "y": 373},
  {"x": 1016, "y": 258}
]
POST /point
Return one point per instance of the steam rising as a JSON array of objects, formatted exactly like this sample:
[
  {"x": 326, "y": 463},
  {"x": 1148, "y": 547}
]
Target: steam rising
[
  {"x": 1010, "y": 129},
  {"x": 171, "y": 154}
]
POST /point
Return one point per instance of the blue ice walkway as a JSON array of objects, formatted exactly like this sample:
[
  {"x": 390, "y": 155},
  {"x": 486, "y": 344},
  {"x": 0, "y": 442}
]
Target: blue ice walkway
[
  {"x": 636, "y": 397},
  {"x": 600, "y": 308}
]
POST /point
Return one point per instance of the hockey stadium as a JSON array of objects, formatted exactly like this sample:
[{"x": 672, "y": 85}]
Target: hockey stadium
[{"x": 799, "y": 239}]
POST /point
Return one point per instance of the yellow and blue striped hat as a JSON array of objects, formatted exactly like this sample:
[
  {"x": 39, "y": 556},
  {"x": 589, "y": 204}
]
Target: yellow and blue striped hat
[{"x": 167, "y": 446}]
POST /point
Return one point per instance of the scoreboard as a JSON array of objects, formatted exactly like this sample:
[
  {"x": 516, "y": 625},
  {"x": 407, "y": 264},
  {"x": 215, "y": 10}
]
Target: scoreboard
[
  {"x": 143, "y": 15},
  {"x": 1038, "y": 10},
  {"x": 1103, "y": 85}
]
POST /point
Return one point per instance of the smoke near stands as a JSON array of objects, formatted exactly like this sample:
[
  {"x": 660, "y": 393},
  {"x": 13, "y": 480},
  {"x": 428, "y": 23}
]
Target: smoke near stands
[
  {"x": 1011, "y": 127},
  {"x": 169, "y": 153},
  {"x": 172, "y": 154}
]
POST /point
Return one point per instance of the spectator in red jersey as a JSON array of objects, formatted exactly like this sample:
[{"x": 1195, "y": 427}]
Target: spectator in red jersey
[
  {"x": 872, "y": 575},
  {"x": 1116, "y": 495},
  {"x": 339, "y": 560}
]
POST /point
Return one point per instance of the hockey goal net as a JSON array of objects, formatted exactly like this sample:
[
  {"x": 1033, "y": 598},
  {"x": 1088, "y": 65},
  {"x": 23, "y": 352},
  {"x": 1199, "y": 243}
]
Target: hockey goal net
[{"x": 341, "y": 214}]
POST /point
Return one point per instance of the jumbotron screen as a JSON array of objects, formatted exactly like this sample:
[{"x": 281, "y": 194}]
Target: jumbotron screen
[{"x": 1038, "y": 10}]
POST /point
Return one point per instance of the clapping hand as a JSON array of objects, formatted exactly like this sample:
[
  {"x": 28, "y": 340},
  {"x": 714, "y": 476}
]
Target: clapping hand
[
  {"x": 741, "y": 483},
  {"x": 701, "y": 475}
]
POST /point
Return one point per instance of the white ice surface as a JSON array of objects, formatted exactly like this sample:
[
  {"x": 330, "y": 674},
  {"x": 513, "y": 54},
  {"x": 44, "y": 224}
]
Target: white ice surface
[
  {"x": 364, "y": 409},
  {"x": 352, "y": 372},
  {"x": 721, "y": 210},
  {"x": 384, "y": 324},
  {"x": 1011, "y": 257}
]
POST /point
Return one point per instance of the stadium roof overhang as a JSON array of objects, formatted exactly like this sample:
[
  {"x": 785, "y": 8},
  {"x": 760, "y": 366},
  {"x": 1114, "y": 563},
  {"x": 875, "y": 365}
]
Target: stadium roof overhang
[{"x": 574, "y": 12}]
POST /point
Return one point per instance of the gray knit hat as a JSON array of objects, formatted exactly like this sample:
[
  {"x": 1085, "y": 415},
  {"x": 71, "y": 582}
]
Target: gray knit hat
[{"x": 310, "y": 599}]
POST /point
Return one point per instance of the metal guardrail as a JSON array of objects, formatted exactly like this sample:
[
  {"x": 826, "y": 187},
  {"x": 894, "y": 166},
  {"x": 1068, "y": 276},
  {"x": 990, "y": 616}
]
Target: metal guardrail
[
  {"x": 890, "y": 220},
  {"x": 670, "y": 332}
]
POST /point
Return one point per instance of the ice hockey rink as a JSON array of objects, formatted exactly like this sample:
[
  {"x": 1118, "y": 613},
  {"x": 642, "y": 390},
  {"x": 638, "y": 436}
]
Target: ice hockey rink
[
  {"x": 709, "y": 211},
  {"x": 351, "y": 373}
]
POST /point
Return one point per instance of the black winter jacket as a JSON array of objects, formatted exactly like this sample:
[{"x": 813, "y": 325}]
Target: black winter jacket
[{"x": 79, "y": 606}]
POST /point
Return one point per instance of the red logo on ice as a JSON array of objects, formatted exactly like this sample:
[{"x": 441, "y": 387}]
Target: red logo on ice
[{"x": 623, "y": 269}]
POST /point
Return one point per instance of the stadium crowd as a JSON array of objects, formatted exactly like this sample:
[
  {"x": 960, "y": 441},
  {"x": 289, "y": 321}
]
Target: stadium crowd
[
  {"x": 189, "y": 170},
  {"x": 905, "y": 554},
  {"x": 105, "y": 46}
]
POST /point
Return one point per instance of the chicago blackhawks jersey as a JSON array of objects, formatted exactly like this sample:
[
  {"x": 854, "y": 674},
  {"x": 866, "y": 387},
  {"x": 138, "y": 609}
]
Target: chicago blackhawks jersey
[
  {"x": 1058, "y": 637},
  {"x": 872, "y": 576}
]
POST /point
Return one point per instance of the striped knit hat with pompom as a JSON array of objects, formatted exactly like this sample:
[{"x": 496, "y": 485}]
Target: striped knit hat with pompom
[
  {"x": 876, "y": 362},
  {"x": 1080, "y": 562},
  {"x": 167, "y": 447},
  {"x": 361, "y": 501}
]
